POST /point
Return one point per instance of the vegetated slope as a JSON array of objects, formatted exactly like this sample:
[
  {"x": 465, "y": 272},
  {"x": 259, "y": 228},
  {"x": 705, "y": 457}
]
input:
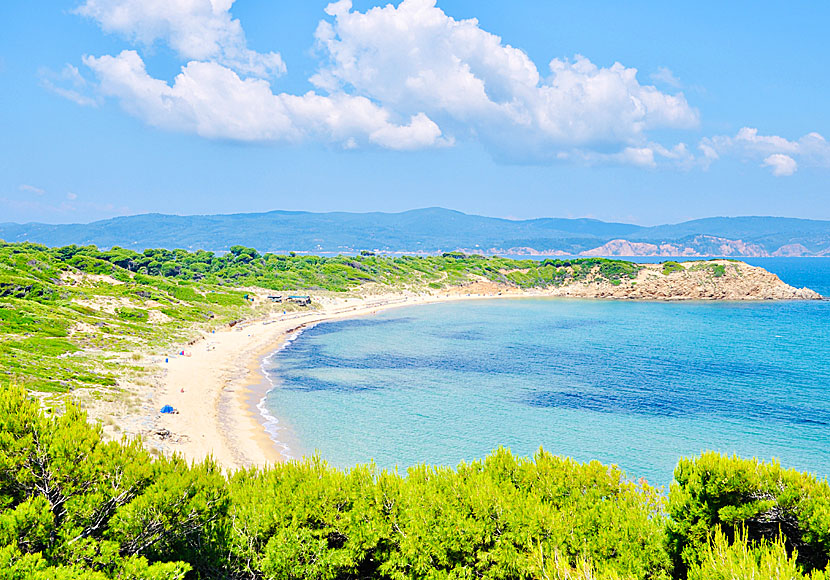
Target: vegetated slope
[
  {"x": 434, "y": 230},
  {"x": 120, "y": 513},
  {"x": 66, "y": 313},
  {"x": 66, "y": 317}
]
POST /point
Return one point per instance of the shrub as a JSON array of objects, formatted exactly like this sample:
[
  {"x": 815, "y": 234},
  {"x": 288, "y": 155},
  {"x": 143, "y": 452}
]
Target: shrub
[
  {"x": 762, "y": 560},
  {"x": 132, "y": 314},
  {"x": 717, "y": 494}
]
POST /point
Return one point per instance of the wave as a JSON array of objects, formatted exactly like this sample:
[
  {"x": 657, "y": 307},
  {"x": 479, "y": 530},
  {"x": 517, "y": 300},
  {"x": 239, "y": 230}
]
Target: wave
[{"x": 270, "y": 423}]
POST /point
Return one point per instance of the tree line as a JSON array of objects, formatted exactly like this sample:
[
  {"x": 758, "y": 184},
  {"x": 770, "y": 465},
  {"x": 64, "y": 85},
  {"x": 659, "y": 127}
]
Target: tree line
[{"x": 73, "y": 505}]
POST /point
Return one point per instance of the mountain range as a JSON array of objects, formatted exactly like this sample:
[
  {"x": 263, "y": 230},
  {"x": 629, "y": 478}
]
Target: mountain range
[{"x": 432, "y": 230}]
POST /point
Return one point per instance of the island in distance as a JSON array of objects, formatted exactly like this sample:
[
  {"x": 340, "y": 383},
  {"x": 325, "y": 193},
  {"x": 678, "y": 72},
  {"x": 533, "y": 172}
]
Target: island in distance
[{"x": 435, "y": 230}]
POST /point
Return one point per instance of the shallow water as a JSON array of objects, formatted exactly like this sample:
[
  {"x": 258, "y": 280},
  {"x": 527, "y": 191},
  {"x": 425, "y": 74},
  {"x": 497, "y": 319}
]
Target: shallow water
[{"x": 638, "y": 384}]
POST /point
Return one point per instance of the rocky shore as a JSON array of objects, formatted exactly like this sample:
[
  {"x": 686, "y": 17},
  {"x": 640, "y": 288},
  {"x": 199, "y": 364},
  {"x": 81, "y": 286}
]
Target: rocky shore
[
  {"x": 699, "y": 280},
  {"x": 695, "y": 280}
]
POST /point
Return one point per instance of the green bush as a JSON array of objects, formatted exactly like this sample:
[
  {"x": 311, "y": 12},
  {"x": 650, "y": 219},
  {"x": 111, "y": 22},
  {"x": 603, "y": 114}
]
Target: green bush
[
  {"x": 72, "y": 506},
  {"x": 224, "y": 298},
  {"x": 672, "y": 267},
  {"x": 497, "y": 518},
  {"x": 717, "y": 494},
  {"x": 132, "y": 314},
  {"x": 118, "y": 513},
  {"x": 761, "y": 560}
]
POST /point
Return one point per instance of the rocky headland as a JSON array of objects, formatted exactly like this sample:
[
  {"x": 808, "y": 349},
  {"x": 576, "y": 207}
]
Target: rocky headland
[{"x": 695, "y": 280}]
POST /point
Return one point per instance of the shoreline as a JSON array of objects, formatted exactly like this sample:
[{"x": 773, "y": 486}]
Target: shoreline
[{"x": 219, "y": 384}]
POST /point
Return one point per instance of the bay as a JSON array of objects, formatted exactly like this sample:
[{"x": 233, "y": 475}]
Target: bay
[{"x": 638, "y": 384}]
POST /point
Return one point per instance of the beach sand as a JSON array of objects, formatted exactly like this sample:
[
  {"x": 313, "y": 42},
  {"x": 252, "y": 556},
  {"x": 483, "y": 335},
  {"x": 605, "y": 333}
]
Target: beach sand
[{"x": 216, "y": 385}]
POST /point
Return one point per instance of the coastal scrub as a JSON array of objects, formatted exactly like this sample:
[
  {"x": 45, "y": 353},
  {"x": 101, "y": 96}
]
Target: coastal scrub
[{"x": 75, "y": 506}]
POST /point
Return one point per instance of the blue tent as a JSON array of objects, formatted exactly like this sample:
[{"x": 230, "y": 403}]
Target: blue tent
[{"x": 168, "y": 409}]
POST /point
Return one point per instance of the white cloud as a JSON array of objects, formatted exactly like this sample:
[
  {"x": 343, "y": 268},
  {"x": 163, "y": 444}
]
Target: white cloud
[
  {"x": 649, "y": 155},
  {"x": 400, "y": 77},
  {"x": 213, "y": 101},
  {"x": 31, "y": 189},
  {"x": 414, "y": 58},
  {"x": 196, "y": 29},
  {"x": 69, "y": 84},
  {"x": 781, "y": 164},
  {"x": 779, "y": 154},
  {"x": 71, "y": 196}
]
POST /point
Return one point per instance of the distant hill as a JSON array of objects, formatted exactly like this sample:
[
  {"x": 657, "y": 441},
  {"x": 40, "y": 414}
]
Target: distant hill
[{"x": 433, "y": 230}]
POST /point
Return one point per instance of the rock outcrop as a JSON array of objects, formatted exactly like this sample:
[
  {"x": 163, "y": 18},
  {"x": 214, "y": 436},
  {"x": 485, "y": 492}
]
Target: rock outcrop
[
  {"x": 704, "y": 280},
  {"x": 698, "y": 246},
  {"x": 698, "y": 280}
]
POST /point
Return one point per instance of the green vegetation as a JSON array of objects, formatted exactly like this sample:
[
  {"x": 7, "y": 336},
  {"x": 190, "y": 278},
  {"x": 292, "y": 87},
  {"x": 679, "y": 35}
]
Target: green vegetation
[
  {"x": 183, "y": 274},
  {"x": 74, "y": 506},
  {"x": 737, "y": 496},
  {"x": 61, "y": 330},
  {"x": 100, "y": 302},
  {"x": 670, "y": 267},
  {"x": 761, "y": 560},
  {"x": 715, "y": 270}
]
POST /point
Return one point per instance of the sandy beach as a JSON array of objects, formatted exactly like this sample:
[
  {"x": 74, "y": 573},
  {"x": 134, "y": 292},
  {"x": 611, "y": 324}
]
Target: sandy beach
[{"x": 217, "y": 383}]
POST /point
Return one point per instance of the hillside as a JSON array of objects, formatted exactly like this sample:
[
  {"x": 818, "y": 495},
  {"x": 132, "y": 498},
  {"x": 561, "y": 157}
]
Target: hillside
[
  {"x": 435, "y": 230},
  {"x": 66, "y": 313}
]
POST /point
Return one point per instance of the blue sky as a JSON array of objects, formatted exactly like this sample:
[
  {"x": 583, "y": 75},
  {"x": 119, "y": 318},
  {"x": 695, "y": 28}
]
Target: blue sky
[{"x": 645, "y": 112}]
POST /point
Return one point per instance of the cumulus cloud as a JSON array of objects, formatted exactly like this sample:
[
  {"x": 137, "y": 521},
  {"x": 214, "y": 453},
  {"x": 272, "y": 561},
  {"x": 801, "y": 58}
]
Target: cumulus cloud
[
  {"x": 212, "y": 101},
  {"x": 415, "y": 58},
  {"x": 781, "y": 164},
  {"x": 782, "y": 156},
  {"x": 399, "y": 77},
  {"x": 195, "y": 29}
]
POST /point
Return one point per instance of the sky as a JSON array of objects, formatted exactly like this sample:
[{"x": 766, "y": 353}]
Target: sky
[{"x": 641, "y": 112}]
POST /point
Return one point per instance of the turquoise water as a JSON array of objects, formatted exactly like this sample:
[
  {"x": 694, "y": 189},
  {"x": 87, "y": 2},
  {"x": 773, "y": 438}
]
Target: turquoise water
[{"x": 638, "y": 384}]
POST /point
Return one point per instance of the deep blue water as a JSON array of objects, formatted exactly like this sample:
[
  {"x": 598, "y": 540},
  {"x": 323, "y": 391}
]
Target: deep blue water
[{"x": 638, "y": 384}]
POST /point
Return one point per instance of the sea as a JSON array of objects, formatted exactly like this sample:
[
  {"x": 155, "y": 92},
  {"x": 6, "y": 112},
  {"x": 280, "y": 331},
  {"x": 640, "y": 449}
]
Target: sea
[{"x": 636, "y": 384}]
